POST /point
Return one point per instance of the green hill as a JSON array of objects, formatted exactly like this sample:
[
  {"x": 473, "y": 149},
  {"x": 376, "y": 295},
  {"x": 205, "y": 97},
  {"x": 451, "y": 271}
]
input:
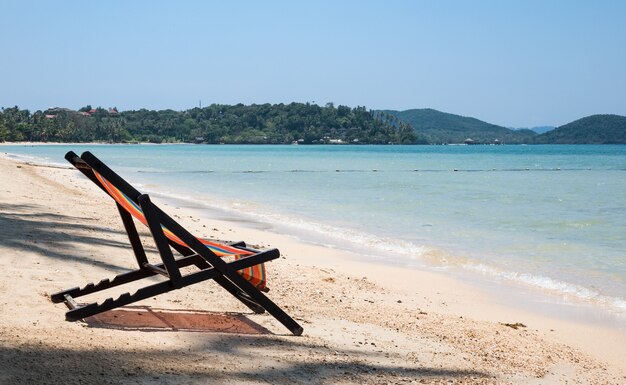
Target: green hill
[
  {"x": 438, "y": 127},
  {"x": 217, "y": 123},
  {"x": 594, "y": 129}
]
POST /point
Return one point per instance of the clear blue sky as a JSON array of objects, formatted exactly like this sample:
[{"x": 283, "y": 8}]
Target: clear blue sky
[{"x": 514, "y": 63}]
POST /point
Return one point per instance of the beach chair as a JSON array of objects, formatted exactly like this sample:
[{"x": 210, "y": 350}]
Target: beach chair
[{"x": 237, "y": 268}]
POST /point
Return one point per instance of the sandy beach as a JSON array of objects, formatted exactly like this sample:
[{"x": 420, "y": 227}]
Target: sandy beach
[{"x": 364, "y": 323}]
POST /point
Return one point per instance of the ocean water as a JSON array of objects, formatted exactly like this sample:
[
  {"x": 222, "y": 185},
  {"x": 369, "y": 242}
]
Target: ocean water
[{"x": 548, "y": 217}]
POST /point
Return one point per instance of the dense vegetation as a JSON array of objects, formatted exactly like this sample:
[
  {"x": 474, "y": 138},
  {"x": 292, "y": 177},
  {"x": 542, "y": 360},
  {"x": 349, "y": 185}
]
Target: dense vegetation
[
  {"x": 264, "y": 123},
  {"x": 440, "y": 128},
  {"x": 288, "y": 123},
  {"x": 594, "y": 129}
]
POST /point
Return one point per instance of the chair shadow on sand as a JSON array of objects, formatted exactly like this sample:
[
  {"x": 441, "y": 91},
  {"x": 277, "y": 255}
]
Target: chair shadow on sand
[{"x": 149, "y": 319}]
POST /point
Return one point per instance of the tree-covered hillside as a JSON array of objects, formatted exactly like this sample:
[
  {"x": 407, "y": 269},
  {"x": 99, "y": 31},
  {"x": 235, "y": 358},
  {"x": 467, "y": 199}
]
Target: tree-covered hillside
[
  {"x": 288, "y": 123},
  {"x": 594, "y": 129},
  {"x": 440, "y": 127},
  {"x": 262, "y": 123}
]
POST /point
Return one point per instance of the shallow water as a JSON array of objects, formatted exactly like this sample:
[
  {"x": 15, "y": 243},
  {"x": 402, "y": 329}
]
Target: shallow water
[{"x": 552, "y": 217}]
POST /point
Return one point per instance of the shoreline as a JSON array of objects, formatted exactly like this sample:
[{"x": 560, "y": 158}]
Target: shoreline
[
  {"x": 534, "y": 299},
  {"x": 494, "y": 296},
  {"x": 595, "y": 311},
  {"x": 301, "y": 144},
  {"x": 461, "y": 259},
  {"x": 426, "y": 310}
]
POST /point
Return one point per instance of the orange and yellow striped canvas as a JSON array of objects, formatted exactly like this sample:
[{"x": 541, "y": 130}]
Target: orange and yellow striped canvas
[{"x": 254, "y": 274}]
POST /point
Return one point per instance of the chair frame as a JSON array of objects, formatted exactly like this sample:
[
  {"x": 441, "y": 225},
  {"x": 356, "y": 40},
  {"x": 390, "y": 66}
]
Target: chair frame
[{"x": 210, "y": 265}]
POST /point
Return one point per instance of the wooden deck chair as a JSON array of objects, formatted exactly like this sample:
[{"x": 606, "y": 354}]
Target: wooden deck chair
[{"x": 243, "y": 277}]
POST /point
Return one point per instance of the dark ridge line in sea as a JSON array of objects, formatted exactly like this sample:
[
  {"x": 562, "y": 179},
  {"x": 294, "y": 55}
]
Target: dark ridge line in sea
[{"x": 376, "y": 170}]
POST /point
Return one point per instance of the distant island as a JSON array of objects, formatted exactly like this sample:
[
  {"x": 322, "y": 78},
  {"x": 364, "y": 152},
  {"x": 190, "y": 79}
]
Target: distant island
[
  {"x": 294, "y": 123},
  {"x": 298, "y": 123},
  {"x": 594, "y": 129},
  {"x": 437, "y": 127}
]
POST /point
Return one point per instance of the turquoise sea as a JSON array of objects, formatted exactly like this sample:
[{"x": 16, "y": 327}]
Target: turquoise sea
[{"x": 550, "y": 218}]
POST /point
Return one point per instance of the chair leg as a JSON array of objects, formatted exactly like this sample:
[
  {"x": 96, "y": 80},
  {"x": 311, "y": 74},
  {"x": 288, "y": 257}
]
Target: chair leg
[{"x": 260, "y": 298}]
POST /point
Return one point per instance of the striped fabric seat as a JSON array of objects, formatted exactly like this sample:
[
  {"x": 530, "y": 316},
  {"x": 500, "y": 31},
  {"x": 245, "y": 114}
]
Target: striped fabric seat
[{"x": 255, "y": 274}]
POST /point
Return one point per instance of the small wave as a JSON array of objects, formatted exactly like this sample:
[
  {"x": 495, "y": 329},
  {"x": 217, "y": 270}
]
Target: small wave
[
  {"x": 35, "y": 161},
  {"x": 375, "y": 247},
  {"x": 307, "y": 230},
  {"x": 560, "y": 288}
]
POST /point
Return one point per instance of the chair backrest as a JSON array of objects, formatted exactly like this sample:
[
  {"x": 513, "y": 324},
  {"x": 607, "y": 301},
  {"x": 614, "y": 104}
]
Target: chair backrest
[{"x": 256, "y": 274}]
